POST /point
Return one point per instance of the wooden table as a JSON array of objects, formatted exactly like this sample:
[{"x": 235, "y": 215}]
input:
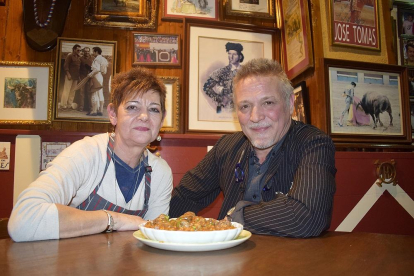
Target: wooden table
[{"x": 121, "y": 254}]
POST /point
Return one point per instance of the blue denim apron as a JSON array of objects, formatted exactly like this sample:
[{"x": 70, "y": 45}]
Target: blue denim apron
[{"x": 96, "y": 202}]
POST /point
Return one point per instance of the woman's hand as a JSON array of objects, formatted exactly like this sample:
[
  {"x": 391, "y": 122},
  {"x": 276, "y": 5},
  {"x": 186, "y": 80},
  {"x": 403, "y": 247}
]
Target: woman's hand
[{"x": 124, "y": 222}]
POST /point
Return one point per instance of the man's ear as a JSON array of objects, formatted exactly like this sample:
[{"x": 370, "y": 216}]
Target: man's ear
[
  {"x": 292, "y": 103},
  {"x": 112, "y": 114}
]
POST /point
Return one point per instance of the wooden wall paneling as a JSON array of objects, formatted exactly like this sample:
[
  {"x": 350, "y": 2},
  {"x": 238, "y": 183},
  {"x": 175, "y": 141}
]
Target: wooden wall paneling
[{"x": 3, "y": 25}]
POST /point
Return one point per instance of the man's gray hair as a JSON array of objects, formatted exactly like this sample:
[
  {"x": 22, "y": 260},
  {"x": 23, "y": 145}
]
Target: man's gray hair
[{"x": 264, "y": 67}]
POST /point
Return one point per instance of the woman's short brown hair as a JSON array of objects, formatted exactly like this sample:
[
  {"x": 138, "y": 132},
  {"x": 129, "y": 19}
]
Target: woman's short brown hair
[{"x": 136, "y": 82}]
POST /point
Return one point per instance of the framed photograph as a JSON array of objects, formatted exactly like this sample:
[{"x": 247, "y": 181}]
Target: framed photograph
[
  {"x": 5, "y": 156},
  {"x": 264, "y": 9},
  {"x": 412, "y": 116},
  {"x": 213, "y": 54},
  {"x": 367, "y": 102},
  {"x": 297, "y": 37},
  {"x": 300, "y": 111},
  {"x": 84, "y": 69},
  {"x": 406, "y": 17},
  {"x": 50, "y": 150},
  {"x": 407, "y": 51},
  {"x": 172, "y": 105},
  {"x": 130, "y": 14},
  {"x": 156, "y": 49},
  {"x": 411, "y": 83},
  {"x": 26, "y": 91},
  {"x": 178, "y": 9},
  {"x": 354, "y": 23}
]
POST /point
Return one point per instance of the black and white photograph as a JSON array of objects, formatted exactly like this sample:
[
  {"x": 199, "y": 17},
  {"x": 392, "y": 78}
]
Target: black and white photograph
[
  {"x": 300, "y": 108},
  {"x": 84, "y": 72}
]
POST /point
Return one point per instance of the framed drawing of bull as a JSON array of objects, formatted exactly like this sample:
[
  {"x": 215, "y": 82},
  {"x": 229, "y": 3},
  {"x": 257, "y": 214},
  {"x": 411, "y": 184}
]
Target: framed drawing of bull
[
  {"x": 367, "y": 102},
  {"x": 26, "y": 90}
]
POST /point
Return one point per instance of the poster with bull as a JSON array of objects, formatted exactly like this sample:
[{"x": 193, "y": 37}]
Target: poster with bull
[
  {"x": 26, "y": 90},
  {"x": 368, "y": 102},
  {"x": 355, "y": 23}
]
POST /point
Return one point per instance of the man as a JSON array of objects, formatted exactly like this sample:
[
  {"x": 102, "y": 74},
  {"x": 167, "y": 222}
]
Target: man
[
  {"x": 279, "y": 174},
  {"x": 349, "y": 94},
  {"x": 99, "y": 68},
  {"x": 71, "y": 66},
  {"x": 410, "y": 53},
  {"x": 408, "y": 25},
  {"x": 85, "y": 69},
  {"x": 219, "y": 85}
]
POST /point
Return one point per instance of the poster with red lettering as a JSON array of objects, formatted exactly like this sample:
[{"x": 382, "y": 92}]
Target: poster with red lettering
[{"x": 355, "y": 23}]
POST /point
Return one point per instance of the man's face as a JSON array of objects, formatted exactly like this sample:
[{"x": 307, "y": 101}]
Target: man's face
[
  {"x": 410, "y": 53},
  {"x": 86, "y": 52},
  {"x": 77, "y": 51},
  {"x": 233, "y": 57},
  {"x": 410, "y": 18},
  {"x": 262, "y": 111}
]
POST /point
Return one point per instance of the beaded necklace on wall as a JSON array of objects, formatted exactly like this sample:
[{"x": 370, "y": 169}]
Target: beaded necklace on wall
[{"x": 49, "y": 16}]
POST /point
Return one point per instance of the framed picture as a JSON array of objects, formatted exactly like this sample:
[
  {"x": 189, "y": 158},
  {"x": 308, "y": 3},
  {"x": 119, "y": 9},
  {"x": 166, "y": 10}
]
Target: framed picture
[
  {"x": 297, "y": 37},
  {"x": 405, "y": 17},
  {"x": 156, "y": 49},
  {"x": 412, "y": 116},
  {"x": 355, "y": 23},
  {"x": 26, "y": 91},
  {"x": 367, "y": 102},
  {"x": 177, "y": 9},
  {"x": 212, "y": 52},
  {"x": 300, "y": 111},
  {"x": 264, "y": 9},
  {"x": 5, "y": 156},
  {"x": 50, "y": 150},
  {"x": 407, "y": 51},
  {"x": 411, "y": 83},
  {"x": 84, "y": 69},
  {"x": 130, "y": 14},
  {"x": 172, "y": 105}
]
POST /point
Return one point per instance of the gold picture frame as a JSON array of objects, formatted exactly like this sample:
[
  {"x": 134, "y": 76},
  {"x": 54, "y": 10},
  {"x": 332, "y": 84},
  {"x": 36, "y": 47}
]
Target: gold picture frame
[
  {"x": 137, "y": 14},
  {"x": 26, "y": 91},
  {"x": 172, "y": 105},
  {"x": 250, "y": 8}
]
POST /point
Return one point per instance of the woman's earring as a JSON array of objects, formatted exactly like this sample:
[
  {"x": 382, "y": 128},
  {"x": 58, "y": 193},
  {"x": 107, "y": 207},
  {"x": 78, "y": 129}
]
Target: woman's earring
[{"x": 159, "y": 138}]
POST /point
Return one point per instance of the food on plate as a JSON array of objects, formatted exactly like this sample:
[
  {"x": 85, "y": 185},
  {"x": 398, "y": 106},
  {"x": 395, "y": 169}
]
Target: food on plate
[{"x": 188, "y": 222}]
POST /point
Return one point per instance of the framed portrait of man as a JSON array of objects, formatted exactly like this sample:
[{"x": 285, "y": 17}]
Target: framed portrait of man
[{"x": 214, "y": 55}]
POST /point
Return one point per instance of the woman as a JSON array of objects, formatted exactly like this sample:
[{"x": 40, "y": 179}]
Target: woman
[{"x": 115, "y": 172}]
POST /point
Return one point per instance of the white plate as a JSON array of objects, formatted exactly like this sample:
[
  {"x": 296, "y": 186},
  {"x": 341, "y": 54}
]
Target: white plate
[{"x": 192, "y": 247}]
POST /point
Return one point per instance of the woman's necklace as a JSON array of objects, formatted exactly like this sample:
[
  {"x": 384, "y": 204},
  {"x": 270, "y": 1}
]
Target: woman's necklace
[{"x": 49, "y": 16}]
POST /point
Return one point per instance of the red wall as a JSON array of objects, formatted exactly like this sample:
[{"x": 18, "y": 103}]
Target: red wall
[{"x": 356, "y": 174}]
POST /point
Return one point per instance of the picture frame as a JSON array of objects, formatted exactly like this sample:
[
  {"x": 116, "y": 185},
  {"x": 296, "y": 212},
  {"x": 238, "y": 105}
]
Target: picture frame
[
  {"x": 205, "y": 53},
  {"x": 407, "y": 51},
  {"x": 156, "y": 49},
  {"x": 300, "y": 108},
  {"x": 412, "y": 116},
  {"x": 86, "y": 99},
  {"x": 176, "y": 10},
  {"x": 297, "y": 42},
  {"x": 172, "y": 104},
  {"x": 410, "y": 72},
  {"x": 49, "y": 150},
  {"x": 137, "y": 14},
  {"x": 405, "y": 15},
  {"x": 250, "y": 8},
  {"x": 370, "y": 86},
  {"x": 26, "y": 91},
  {"x": 355, "y": 25}
]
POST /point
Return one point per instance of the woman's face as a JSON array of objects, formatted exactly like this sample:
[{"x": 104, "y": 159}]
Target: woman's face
[{"x": 139, "y": 119}]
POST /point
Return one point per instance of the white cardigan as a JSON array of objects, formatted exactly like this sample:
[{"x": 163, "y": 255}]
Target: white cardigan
[{"x": 70, "y": 178}]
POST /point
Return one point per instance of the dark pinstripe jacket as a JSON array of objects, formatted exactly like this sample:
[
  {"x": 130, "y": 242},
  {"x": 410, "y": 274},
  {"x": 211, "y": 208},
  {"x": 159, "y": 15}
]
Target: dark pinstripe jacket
[{"x": 301, "y": 177}]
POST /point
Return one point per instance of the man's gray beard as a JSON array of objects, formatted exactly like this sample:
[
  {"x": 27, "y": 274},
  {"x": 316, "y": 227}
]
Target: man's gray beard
[{"x": 263, "y": 146}]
